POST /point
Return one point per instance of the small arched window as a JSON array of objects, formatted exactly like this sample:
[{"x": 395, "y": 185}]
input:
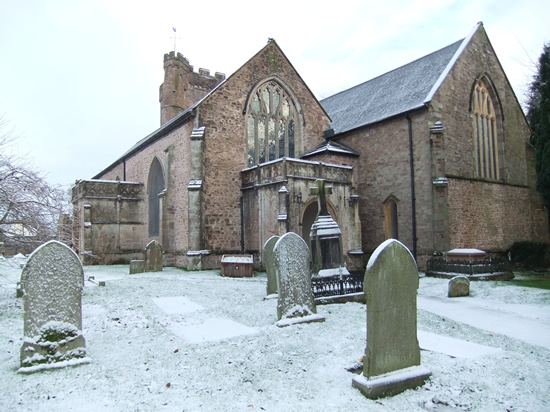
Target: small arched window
[
  {"x": 272, "y": 124},
  {"x": 391, "y": 218},
  {"x": 486, "y": 132},
  {"x": 155, "y": 187}
]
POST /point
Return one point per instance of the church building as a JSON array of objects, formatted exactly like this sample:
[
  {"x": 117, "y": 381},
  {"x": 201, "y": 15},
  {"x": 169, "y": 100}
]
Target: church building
[{"x": 435, "y": 153}]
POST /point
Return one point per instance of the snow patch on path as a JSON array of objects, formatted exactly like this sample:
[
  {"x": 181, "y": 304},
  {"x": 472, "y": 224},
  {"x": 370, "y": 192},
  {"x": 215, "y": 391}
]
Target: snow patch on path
[
  {"x": 211, "y": 330},
  {"x": 176, "y": 304},
  {"x": 478, "y": 313},
  {"x": 455, "y": 348}
]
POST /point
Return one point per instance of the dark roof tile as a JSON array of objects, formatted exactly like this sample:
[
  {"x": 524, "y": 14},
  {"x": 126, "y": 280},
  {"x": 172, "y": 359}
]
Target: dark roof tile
[{"x": 390, "y": 94}]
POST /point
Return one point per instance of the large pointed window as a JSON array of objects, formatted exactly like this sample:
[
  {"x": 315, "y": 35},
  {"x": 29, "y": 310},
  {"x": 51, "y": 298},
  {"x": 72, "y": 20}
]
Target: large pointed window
[
  {"x": 391, "y": 218},
  {"x": 155, "y": 188},
  {"x": 485, "y": 128},
  {"x": 272, "y": 124}
]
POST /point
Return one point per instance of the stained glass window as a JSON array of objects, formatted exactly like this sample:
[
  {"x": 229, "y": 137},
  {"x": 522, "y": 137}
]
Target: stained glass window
[
  {"x": 271, "y": 124},
  {"x": 487, "y": 161}
]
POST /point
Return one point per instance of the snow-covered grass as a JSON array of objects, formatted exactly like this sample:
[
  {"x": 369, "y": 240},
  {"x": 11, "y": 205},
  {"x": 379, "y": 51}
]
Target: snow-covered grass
[{"x": 186, "y": 341}]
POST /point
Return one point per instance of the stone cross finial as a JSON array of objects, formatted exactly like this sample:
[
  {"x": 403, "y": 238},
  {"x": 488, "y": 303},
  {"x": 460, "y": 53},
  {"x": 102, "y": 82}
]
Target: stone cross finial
[{"x": 321, "y": 191}]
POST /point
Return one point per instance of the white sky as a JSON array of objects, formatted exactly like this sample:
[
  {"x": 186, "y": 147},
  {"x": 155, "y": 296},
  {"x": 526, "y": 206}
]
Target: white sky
[{"x": 79, "y": 79}]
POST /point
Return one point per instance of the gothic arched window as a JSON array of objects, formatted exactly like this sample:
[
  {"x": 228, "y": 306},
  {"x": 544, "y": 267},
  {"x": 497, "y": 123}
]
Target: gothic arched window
[
  {"x": 486, "y": 132},
  {"x": 391, "y": 218},
  {"x": 272, "y": 126},
  {"x": 155, "y": 187}
]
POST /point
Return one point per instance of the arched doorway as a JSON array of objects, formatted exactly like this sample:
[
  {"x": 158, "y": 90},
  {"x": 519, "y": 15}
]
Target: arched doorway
[{"x": 310, "y": 213}]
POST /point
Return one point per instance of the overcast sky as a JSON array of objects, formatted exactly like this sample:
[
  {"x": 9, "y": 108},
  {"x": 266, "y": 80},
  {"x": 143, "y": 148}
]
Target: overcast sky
[{"x": 79, "y": 79}]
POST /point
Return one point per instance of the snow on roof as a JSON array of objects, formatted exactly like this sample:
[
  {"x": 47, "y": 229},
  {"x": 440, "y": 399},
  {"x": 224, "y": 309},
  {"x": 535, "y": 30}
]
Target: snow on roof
[
  {"x": 403, "y": 89},
  {"x": 466, "y": 252},
  {"x": 236, "y": 259}
]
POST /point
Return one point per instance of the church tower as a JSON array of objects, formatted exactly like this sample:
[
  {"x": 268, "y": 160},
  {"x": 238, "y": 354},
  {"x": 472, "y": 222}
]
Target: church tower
[{"x": 182, "y": 87}]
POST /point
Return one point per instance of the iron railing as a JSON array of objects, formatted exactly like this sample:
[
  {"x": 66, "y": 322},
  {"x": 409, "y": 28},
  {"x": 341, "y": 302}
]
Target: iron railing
[
  {"x": 490, "y": 265},
  {"x": 337, "y": 285}
]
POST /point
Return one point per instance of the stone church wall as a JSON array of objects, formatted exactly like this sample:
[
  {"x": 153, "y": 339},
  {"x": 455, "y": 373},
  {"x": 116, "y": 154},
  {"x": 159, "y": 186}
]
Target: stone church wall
[
  {"x": 222, "y": 114},
  {"x": 484, "y": 214},
  {"x": 383, "y": 169},
  {"x": 173, "y": 153},
  {"x": 108, "y": 217},
  {"x": 492, "y": 222}
]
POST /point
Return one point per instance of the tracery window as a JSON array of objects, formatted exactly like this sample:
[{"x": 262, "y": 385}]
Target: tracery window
[
  {"x": 271, "y": 124},
  {"x": 487, "y": 162}
]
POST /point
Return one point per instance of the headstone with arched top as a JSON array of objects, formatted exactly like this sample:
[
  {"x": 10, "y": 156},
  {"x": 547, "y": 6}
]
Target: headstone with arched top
[
  {"x": 392, "y": 356},
  {"x": 52, "y": 282},
  {"x": 295, "y": 301},
  {"x": 153, "y": 257}
]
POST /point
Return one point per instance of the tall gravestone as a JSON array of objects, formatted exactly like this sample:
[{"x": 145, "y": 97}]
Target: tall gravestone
[
  {"x": 52, "y": 282},
  {"x": 295, "y": 302},
  {"x": 392, "y": 356},
  {"x": 153, "y": 257},
  {"x": 269, "y": 261}
]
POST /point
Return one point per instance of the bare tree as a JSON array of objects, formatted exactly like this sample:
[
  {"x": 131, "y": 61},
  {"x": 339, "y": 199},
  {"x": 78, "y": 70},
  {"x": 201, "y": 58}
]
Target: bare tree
[{"x": 29, "y": 206}]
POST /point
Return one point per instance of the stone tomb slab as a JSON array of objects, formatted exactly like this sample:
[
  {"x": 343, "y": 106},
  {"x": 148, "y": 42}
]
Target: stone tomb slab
[
  {"x": 52, "y": 282},
  {"x": 392, "y": 356},
  {"x": 295, "y": 303}
]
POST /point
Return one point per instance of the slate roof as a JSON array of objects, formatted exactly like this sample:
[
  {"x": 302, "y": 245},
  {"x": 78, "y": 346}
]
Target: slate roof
[
  {"x": 407, "y": 88},
  {"x": 331, "y": 146}
]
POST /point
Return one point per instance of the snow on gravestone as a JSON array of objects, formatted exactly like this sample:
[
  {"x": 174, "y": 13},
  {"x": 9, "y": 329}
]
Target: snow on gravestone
[
  {"x": 52, "y": 282},
  {"x": 392, "y": 356},
  {"x": 295, "y": 302},
  {"x": 153, "y": 257},
  {"x": 269, "y": 261},
  {"x": 459, "y": 286}
]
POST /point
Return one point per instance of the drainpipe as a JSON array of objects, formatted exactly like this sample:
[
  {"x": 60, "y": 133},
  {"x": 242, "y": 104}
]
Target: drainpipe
[
  {"x": 124, "y": 169},
  {"x": 413, "y": 196}
]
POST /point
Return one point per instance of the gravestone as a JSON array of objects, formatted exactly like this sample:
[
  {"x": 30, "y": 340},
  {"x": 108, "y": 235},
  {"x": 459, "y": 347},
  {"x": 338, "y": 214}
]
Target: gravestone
[
  {"x": 269, "y": 261},
  {"x": 459, "y": 286},
  {"x": 295, "y": 302},
  {"x": 52, "y": 282},
  {"x": 392, "y": 356},
  {"x": 153, "y": 257},
  {"x": 137, "y": 266}
]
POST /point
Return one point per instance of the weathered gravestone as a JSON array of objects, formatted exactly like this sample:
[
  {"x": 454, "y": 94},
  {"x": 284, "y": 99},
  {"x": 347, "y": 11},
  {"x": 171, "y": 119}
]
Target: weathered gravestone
[
  {"x": 295, "y": 302},
  {"x": 269, "y": 260},
  {"x": 153, "y": 257},
  {"x": 52, "y": 282},
  {"x": 459, "y": 286},
  {"x": 137, "y": 266},
  {"x": 392, "y": 356}
]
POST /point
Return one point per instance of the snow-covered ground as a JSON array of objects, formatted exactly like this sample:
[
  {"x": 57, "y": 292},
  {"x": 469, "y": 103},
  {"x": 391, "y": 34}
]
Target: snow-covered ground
[{"x": 187, "y": 341}]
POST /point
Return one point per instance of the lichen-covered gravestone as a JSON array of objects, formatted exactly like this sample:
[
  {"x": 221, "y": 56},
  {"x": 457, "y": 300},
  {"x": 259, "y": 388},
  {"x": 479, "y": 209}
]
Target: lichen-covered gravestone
[
  {"x": 52, "y": 282},
  {"x": 295, "y": 302},
  {"x": 269, "y": 261},
  {"x": 153, "y": 257},
  {"x": 459, "y": 286},
  {"x": 392, "y": 356}
]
